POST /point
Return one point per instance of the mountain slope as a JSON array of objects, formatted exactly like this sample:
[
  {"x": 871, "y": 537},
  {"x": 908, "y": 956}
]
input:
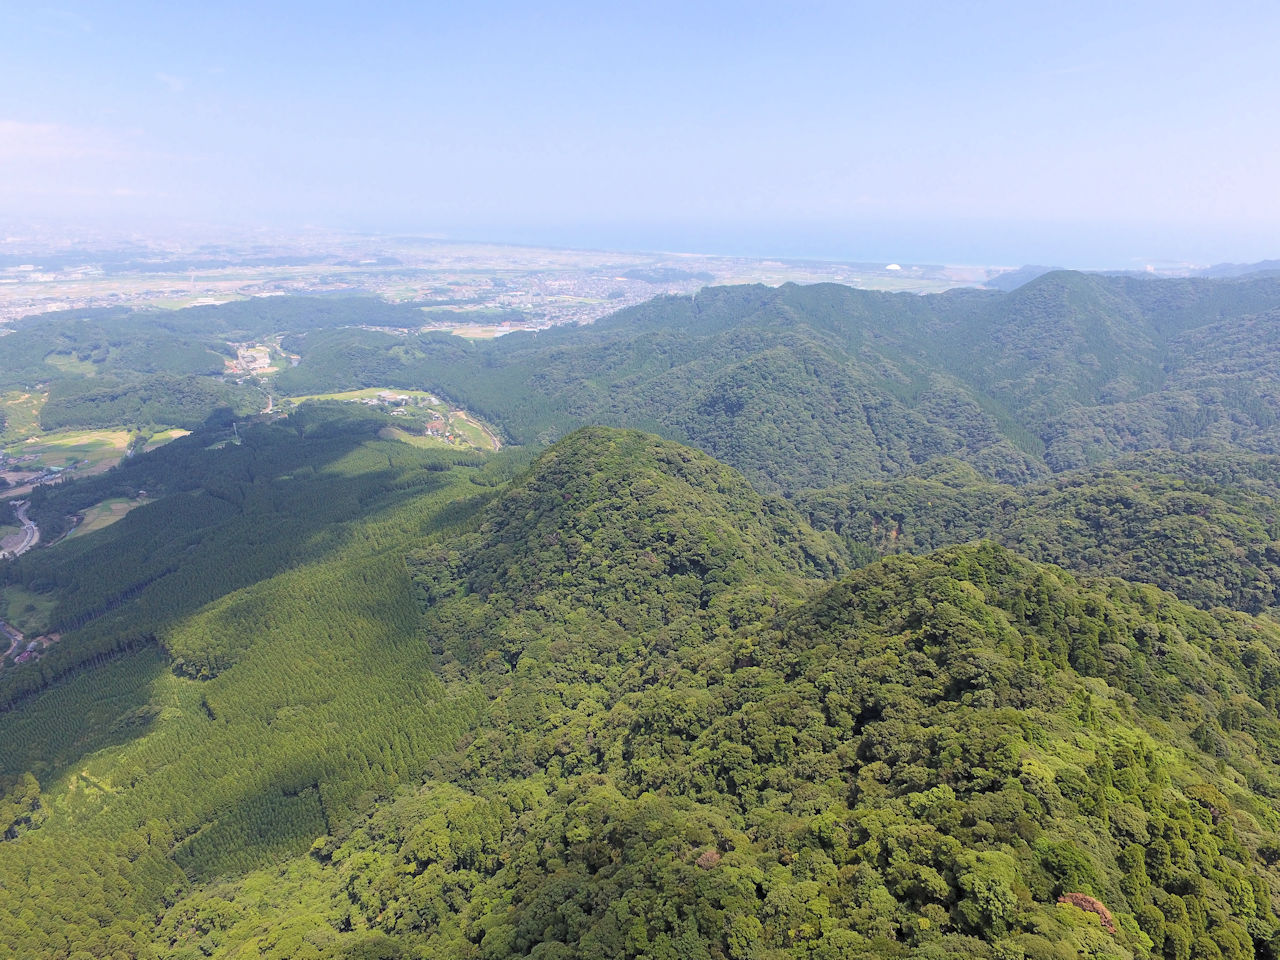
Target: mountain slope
[
  {"x": 616, "y": 706},
  {"x": 250, "y": 739},
  {"x": 921, "y": 760},
  {"x": 1204, "y": 526},
  {"x": 173, "y": 739}
]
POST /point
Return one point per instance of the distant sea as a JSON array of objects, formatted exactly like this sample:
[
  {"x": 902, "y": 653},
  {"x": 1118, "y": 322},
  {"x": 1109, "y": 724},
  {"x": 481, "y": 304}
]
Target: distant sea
[{"x": 970, "y": 243}]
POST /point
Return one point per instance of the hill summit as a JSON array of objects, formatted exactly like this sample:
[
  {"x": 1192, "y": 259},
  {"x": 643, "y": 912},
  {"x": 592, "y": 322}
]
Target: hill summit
[{"x": 636, "y": 531}]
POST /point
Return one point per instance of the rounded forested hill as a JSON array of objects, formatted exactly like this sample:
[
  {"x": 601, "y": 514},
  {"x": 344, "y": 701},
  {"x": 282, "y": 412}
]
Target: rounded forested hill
[{"x": 635, "y": 531}]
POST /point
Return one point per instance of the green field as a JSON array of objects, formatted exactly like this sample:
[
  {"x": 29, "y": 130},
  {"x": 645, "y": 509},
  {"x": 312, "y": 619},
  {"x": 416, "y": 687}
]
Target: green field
[
  {"x": 460, "y": 423},
  {"x": 368, "y": 393},
  {"x": 69, "y": 363},
  {"x": 25, "y": 609},
  {"x": 179, "y": 303},
  {"x": 84, "y": 452},
  {"x": 100, "y": 448},
  {"x": 471, "y": 431},
  {"x": 479, "y": 331}
]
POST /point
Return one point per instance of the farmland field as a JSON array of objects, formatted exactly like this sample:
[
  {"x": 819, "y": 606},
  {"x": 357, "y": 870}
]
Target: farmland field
[
  {"x": 457, "y": 423},
  {"x": 84, "y": 452},
  {"x": 480, "y": 331},
  {"x": 61, "y": 450},
  {"x": 25, "y": 609},
  {"x": 472, "y": 432}
]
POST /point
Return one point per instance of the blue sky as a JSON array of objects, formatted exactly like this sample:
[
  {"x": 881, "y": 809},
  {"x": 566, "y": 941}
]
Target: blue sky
[{"x": 1079, "y": 134}]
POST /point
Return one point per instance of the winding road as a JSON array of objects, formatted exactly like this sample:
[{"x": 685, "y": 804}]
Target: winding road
[
  {"x": 30, "y": 532},
  {"x": 11, "y": 633},
  {"x": 30, "y": 537}
]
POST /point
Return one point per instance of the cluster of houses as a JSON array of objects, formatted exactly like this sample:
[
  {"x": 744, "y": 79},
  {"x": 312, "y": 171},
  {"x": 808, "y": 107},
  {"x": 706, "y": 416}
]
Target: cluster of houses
[
  {"x": 386, "y": 398},
  {"x": 19, "y": 478},
  {"x": 20, "y": 648},
  {"x": 437, "y": 426},
  {"x": 30, "y": 653},
  {"x": 15, "y": 471}
]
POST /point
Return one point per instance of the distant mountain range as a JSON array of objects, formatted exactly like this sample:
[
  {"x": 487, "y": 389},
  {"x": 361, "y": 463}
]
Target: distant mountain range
[
  {"x": 803, "y": 386},
  {"x": 1012, "y": 279}
]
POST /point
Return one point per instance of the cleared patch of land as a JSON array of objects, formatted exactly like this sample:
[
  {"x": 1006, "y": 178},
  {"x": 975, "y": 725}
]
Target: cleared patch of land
[
  {"x": 48, "y": 458},
  {"x": 179, "y": 303},
  {"x": 104, "y": 514},
  {"x": 371, "y": 393},
  {"x": 254, "y": 359},
  {"x": 444, "y": 425},
  {"x": 25, "y": 609},
  {"x": 479, "y": 332},
  {"x": 21, "y": 412},
  {"x": 473, "y": 431},
  {"x": 454, "y": 428},
  {"x": 70, "y": 363},
  {"x": 163, "y": 437},
  {"x": 74, "y": 443},
  {"x": 79, "y": 453},
  {"x": 427, "y": 441},
  {"x": 84, "y": 449}
]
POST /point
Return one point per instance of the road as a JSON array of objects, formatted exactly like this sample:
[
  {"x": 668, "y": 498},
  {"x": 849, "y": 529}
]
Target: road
[
  {"x": 30, "y": 532},
  {"x": 12, "y": 634},
  {"x": 493, "y": 437}
]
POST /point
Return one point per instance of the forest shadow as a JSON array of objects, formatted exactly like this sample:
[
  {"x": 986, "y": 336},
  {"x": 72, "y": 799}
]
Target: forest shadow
[{"x": 223, "y": 516}]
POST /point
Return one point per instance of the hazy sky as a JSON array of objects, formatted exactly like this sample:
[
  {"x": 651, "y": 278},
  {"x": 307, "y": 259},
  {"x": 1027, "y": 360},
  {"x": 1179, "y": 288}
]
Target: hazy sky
[{"x": 1081, "y": 134}]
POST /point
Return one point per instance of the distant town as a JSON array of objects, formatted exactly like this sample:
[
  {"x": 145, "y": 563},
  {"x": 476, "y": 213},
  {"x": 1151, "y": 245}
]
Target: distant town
[{"x": 488, "y": 289}]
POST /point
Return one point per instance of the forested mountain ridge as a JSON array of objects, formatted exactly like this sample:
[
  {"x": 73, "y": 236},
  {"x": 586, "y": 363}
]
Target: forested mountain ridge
[
  {"x": 614, "y": 705},
  {"x": 795, "y": 386},
  {"x": 914, "y": 762},
  {"x": 817, "y": 385},
  {"x": 620, "y": 534}
]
